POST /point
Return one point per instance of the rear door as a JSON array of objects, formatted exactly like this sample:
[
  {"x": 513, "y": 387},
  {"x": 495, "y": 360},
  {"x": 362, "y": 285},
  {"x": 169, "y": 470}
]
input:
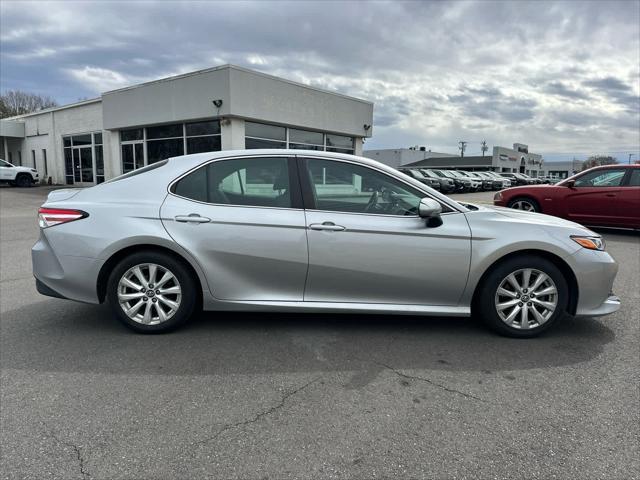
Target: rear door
[
  {"x": 629, "y": 200},
  {"x": 368, "y": 245},
  {"x": 594, "y": 197},
  {"x": 242, "y": 220}
]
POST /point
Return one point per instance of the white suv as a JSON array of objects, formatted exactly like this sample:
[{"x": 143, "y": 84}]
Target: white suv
[{"x": 20, "y": 176}]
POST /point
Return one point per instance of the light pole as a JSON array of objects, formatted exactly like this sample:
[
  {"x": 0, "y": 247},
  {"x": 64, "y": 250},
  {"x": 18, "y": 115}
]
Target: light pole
[{"x": 630, "y": 155}]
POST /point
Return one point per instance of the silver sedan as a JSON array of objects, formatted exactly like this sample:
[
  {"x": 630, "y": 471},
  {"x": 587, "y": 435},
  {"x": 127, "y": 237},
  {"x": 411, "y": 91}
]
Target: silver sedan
[{"x": 282, "y": 230}]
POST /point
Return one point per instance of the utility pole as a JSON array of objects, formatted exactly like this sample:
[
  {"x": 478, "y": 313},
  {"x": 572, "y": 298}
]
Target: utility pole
[
  {"x": 484, "y": 147},
  {"x": 462, "y": 147},
  {"x": 630, "y": 155}
]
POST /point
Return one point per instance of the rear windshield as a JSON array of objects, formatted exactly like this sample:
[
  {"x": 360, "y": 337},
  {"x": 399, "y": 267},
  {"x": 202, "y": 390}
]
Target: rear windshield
[{"x": 139, "y": 171}]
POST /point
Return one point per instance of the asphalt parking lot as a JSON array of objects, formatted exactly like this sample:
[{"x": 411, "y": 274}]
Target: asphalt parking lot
[{"x": 300, "y": 396}]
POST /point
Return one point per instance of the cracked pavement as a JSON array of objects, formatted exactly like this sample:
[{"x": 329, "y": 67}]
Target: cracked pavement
[{"x": 299, "y": 396}]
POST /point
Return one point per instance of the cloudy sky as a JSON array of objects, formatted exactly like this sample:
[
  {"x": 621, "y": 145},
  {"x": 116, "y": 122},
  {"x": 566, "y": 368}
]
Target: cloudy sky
[{"x": 563, "y": 77}]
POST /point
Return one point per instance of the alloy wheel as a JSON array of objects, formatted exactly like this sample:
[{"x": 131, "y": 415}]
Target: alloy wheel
[
  {"x": 524, "y": 205},
  {"x": 526, "y": 299},
  {"x": 149, "y": 294}
]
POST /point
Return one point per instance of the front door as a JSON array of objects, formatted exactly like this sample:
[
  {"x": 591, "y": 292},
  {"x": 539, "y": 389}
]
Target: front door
[
  {"x": 594, "y": 197},
  {"x": 243, "y": 222},
  {"x": 368, "y": 245},
  {"x": 83, "y": 166}
]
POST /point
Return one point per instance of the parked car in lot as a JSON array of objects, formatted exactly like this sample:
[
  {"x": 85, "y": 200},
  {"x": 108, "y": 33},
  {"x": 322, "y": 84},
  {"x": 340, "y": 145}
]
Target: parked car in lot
[
  {"x": 18, "y": 176},
  {"x": 519, "y": 178},
  {"x": 462, "y": 183},
  {"x": 418, "y": 175},
  {"x": 476, "y": 183},
  {"x": 505, "y": 182},
  {"x": 607, "y": 196},
  {"x": 488, "y": 183},
  {"x": 447, "y": 184},
  {"x": 278, "y": 230}
]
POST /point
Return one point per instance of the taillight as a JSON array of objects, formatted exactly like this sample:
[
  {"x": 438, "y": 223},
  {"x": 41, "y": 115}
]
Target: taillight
[{"x": 48, "y": 217}]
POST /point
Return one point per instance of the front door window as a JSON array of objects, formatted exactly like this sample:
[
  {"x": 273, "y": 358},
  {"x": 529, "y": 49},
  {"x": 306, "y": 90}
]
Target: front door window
[{"x": 350, "y": 188}]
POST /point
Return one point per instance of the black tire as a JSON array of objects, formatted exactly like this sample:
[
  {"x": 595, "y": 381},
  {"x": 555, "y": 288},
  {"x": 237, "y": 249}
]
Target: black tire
[
  {"x": 187, "y": 284},
  {"x": 24, "y": 180},
  {"x": 485, "y": 304},
  {"x": 524, "y": 200}
]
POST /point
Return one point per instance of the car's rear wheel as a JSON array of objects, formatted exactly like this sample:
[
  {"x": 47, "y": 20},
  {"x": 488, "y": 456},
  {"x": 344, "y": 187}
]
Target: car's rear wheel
[
  {"x": 152, "y": 292},
  {"x": 23, "y": 180},
  {"x": 524, "y": 203},
  {"x": 523, "y": 296}
]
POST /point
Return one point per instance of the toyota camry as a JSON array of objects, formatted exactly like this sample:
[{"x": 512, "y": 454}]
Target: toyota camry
[{"x": 282, "y": 230}]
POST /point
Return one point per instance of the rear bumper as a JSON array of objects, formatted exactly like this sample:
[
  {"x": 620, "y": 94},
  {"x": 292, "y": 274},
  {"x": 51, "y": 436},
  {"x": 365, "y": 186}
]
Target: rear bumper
[{"x": 64, "y": 276}]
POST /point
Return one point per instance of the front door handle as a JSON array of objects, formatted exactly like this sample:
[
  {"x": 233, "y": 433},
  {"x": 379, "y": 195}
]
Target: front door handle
[
  {"x": 327, "y": 226},
  {"x": 192, "y": 218},
  {"x": 611, "y": 194}
]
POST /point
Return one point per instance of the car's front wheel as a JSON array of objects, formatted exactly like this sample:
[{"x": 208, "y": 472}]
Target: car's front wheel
[
  {"x": 23, "y": 180},
  {"x": 152, "y": 292},
  {"x": 524, "y": 203},
  {"x": 523, "y": 296}
]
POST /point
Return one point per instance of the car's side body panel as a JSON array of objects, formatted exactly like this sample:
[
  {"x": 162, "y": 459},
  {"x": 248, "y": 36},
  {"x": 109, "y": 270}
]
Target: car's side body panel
[
  {"x": 247, "y": 253},
  {"x": 388, "y": 259}
]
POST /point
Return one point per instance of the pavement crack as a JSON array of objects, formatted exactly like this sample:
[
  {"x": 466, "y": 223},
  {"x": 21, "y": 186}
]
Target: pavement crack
[
  {"x": 257, "y": 417},
  {"x": 77, "y": 450},
  {"x": 429, "y": 381}
]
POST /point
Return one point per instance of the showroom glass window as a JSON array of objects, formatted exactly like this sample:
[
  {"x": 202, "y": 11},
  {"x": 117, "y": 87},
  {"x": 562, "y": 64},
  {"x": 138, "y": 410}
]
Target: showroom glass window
[
  {"x": 262, "y": 135},
  {"x": 350, "y": 188},
  {"x": 259, "y": 182},
  {"x": 147, "y": 145},
  {"x": 83, "y": 158},
  {"x": 601, "y": 178}
]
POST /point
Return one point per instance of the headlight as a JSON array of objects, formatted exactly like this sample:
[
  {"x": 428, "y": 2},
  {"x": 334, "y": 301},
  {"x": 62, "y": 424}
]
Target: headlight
[
  {"x": 590, "y": 243},
  {"x": 497, "y": 197}
]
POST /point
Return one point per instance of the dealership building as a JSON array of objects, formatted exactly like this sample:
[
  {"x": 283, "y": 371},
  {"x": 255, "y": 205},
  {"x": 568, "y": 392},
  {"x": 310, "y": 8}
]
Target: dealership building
[
  {"x": 221, "y": 108},
  {"x": 504, "y": 159}
]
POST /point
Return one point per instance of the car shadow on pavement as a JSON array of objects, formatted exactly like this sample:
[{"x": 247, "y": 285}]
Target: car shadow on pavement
[{"x": 55, "y": 335}]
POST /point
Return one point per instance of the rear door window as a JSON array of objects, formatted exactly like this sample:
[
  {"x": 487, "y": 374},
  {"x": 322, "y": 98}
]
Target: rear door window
[{"x": 257, "y": 182}]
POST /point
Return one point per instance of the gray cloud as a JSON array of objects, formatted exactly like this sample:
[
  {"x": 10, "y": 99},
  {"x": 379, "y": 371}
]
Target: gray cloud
[
  {"x": 435, "y": 70},
  {"x": 559, "y": 88}
]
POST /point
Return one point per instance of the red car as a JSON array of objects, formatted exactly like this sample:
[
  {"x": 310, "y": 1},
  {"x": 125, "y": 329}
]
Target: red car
[{"x": 606, "y": 196}]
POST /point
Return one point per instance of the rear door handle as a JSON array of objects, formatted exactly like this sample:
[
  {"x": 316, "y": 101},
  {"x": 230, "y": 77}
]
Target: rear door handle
[
  {"x": 192, "y": 218},
  {"x": 327, "y": 226}
]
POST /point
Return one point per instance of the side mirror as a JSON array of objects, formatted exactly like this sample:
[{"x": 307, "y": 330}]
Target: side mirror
[
  {"x": 430, "y": 210},
  {"x": 570, "y": 183}
]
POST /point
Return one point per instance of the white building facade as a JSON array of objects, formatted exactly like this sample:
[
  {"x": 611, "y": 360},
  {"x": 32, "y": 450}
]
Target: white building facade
[{"x": 222, "y": 108}]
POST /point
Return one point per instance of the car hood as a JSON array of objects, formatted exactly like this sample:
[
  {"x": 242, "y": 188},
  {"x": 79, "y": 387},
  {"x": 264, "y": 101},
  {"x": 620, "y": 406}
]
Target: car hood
[
  {"x": 526, "y": 228},
  {"x": 503, "y": 214},
  {"x": 23, "y": 169}
]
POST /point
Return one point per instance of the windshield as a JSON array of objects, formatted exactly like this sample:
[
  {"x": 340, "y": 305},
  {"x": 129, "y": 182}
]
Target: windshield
[
  {"x": 417, "y": 173},
  {"x": 5, "y": 164},
  {"x": 428, "y": 173}
]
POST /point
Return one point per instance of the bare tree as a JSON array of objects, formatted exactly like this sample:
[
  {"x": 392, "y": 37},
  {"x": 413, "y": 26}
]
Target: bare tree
[
  {"x": 17, "y": 102},
  {"x": 596, "y": 160}
]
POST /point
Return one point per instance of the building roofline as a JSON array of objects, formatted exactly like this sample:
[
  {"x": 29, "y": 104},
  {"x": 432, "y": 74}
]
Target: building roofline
[
  {"x": 234, "y": 67},
  {"x": 55, "y": 109}
]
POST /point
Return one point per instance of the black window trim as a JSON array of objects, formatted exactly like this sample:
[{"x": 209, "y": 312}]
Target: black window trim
[
  {"x": 294, "y": 183},
  {"x": 309, "y": 200}
]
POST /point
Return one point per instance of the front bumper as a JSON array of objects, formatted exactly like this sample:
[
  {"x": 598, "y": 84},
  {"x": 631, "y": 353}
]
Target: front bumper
[
  {"x": 595, "y": 273},
  {"x": 610, "y": 305}
]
